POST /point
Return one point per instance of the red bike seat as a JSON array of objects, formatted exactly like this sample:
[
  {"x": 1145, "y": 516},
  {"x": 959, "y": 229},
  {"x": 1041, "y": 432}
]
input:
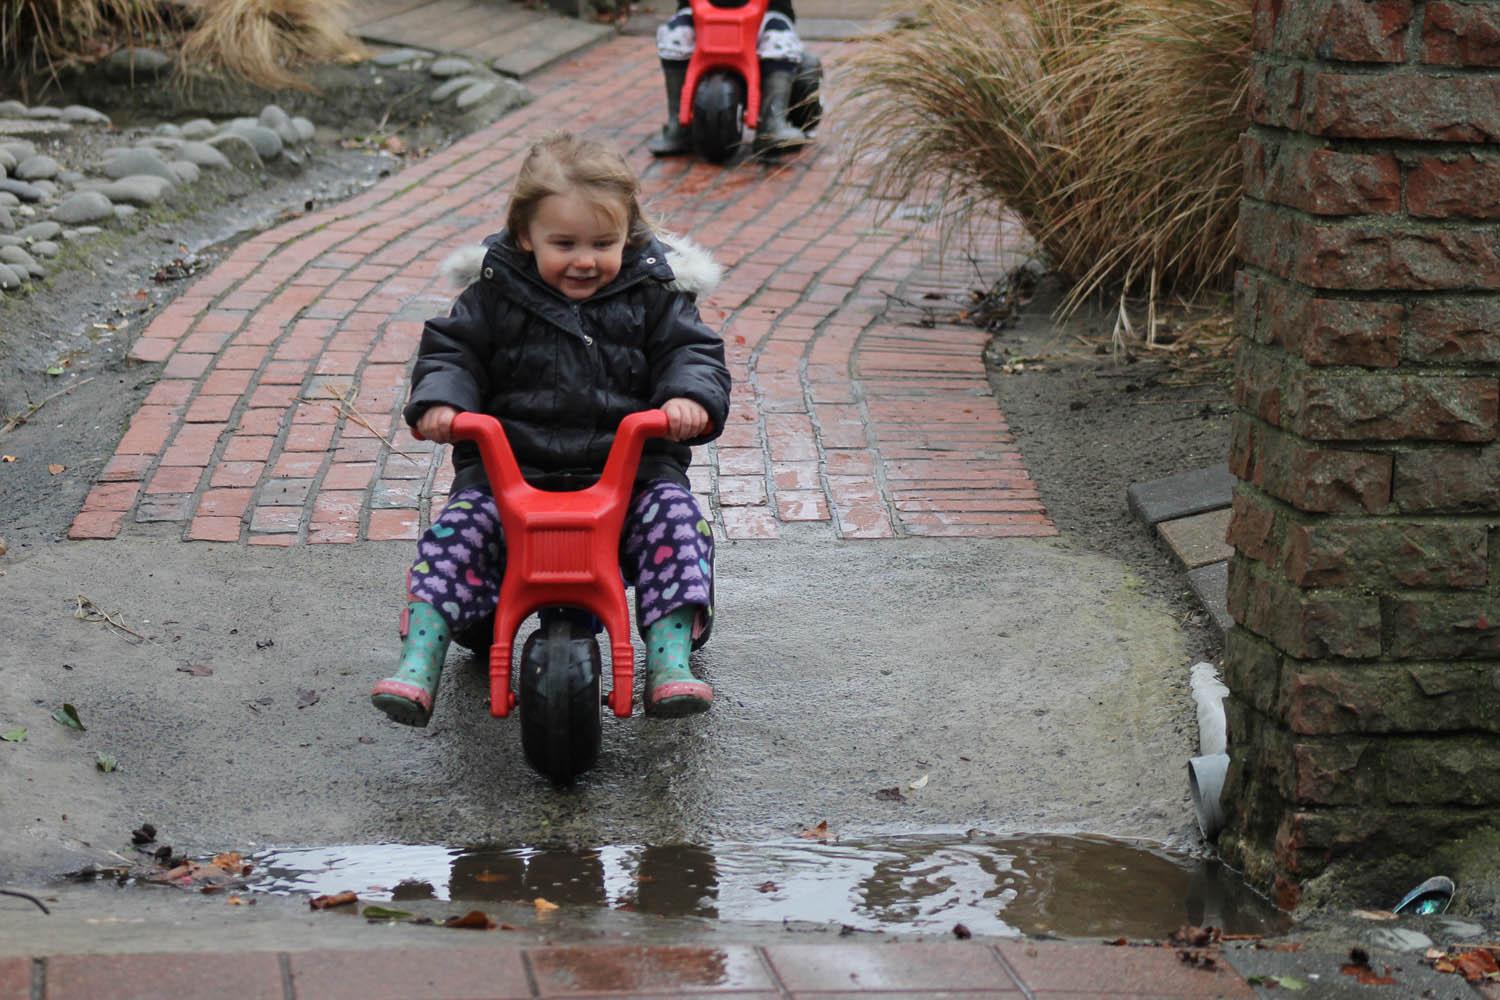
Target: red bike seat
[
  {"x": 562, "y": 549},
  {"x": 725, "y": 38}
]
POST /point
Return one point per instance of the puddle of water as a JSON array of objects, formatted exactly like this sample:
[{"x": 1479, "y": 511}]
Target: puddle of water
[{"x": 1064, "y": 886}]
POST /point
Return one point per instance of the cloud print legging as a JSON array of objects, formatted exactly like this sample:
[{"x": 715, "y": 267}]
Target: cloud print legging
[{"x": 666, "y": 553}]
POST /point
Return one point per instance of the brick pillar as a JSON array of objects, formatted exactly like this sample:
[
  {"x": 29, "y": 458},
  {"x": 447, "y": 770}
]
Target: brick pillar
[{"x": 1365, "y": 665}]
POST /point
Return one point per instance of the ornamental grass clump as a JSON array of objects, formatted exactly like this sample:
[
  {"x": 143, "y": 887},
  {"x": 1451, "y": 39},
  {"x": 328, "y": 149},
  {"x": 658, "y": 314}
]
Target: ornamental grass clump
[
  {"x": 1109, "y": 128},
  {"x": 267, "y": 42},
  {"x": 40, "y": 37}
]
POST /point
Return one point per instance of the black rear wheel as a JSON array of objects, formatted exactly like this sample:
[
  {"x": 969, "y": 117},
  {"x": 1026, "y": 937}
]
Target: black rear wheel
[
  {"x": 718, "y": 116},
  {"x": 561, "y": 728}
]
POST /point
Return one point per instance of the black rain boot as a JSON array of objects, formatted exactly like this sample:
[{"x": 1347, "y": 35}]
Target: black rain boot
[
  {"x": 674, "y": 139},
  {"x": 774, "y": 133}
]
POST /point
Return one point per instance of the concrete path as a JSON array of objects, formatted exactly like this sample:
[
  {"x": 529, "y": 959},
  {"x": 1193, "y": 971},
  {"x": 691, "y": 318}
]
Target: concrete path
[{"x": 511, "y": 38}]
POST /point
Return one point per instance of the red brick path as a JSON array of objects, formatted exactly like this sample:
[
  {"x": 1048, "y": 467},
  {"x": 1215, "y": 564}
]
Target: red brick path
[
  {"x": 276, "y": 420},
  {"x": 895, "y": 971}
]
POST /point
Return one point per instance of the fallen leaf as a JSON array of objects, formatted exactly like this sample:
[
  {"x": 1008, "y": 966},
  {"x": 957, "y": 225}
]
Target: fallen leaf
[
  {"x": 16, "y": 735},
  {"x": 892, "y": 794},
  {"x": 106, "y": 762},
  {"x": 56, "y": 469},
  {"x": 7, "y": 458},
  {"x": 234, "y": 900},
  {"x": 919, "y": 783},
  {"x": 306, "y": 697},
  {"x": 197, "y": 670},
  {"x": 492, "y": 877},
  {"x": 55, "y": 369},
  {"x": 1366, "y": 976},
  {"x": 476, "y": 920},
  {"x": 1476, "y": 964},
  {"x": 68, "y": 716},
  {"x": 144, "y": 834},
  {"x": 543, "y": 905},
  {"x": 384, "y": 913},
  {"x": 768, "y": 887},
  {"x": 344, "y": 898},
  {"x": 393, "y": 144},
  {"x": 819, "y": 832},
  {"x": 961, "y": 932},
  {"x": 232, "y": 862}
]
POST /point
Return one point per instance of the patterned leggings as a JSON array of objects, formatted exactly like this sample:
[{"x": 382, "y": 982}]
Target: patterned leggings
[
  {"x": 666, "y": 553},
  {"x": 778, "y": 38}
]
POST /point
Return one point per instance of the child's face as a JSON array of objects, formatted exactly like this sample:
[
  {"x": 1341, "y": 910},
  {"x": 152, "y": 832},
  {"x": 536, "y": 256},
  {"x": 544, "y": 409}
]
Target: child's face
[{"x": 576, "y": 243}]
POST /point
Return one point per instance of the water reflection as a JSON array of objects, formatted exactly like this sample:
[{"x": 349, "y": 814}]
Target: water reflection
[{"x": 1067, "y": 886}]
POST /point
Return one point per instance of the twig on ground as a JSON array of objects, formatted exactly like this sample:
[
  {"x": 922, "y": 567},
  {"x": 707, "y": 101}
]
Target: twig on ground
[
  {"x": 88, "y": 611},
  {"x": 27, "y": 896},
  {"x": 345, "y": 402},
  {"x": 20, "y": 418}
]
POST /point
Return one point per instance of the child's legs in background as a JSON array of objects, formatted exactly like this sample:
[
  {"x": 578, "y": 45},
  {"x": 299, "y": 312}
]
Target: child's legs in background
[
  {"x": 460, "y": 560},
  {"x": 667, "y": 552}
]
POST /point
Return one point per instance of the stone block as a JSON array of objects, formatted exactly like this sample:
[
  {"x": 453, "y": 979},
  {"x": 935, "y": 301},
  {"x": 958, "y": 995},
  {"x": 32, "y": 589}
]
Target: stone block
[
  {"x": 1182, "y": 495},
  {"x": 1198, "y": 540}
]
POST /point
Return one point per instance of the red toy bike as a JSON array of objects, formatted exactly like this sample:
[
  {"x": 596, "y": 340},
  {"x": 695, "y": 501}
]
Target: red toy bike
[
  {"x": 562, "y": 559},
  {"x": 721, "y": 95}
]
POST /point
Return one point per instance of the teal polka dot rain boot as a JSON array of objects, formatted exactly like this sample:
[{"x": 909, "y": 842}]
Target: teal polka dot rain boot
[
  {"x": 671, "y": 689},
  {"x": 407, "y": 695}
]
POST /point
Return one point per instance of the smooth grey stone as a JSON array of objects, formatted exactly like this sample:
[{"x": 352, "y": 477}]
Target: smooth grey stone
[
  {"x": 134, "y": 162},
  {"x": 451, "y": 66},
  {"x": 39, "y": 231},
  {"x": 293, "y": 157},
  {"x": 1463, "y": 930},
  {"x": 159, "y": 142},
  {"x": 1211, "y": 585},
  {"x": 475, "y": 94},
  {"x": 1398, "y": 939},
  {"x": 203, "y": 155},
  {"x": 45, "y": 248},
  {"x": 126, "y": 63},
  {"x": 443, "y": 91},
  {"x": 123, "y": 212},
  {"x": 9, "y": 280},
  {"x": 83, "y": 114},
  {"x": 84, "y": 206},
  {"x": 8, "y": 200},
  {"x": 305, "y": 128},
  {"x": 266, "y": 142},
  {"x": 11, "y": 240},
  {"x": 25, "y": 211},
  {"x": 44, "y": 112},
  {"x": 167, "y": 129},
  {"x": 82, "y": 232},
  {"x": 288, "y": 134},
  {"x": 186, "y": 172},
  {"x": 140, "y": 189},
  {"x": 12, "y": 109},
  {"x": 198, "y": 128},
  {"x": 37, "y": 168},
  {"x": 69, "y": 177},
  {"x": 7, "y": 160},
  {"x": 19, "y": 259},
  {"x": 22, "y": 190},
  {"x": 48, "y": 189},
  {"x": 399, "y": 57},
  {"x": 7, "y": 222},
  {"x": 19, "y": 149},
  {"x": 237, "y": 150},
  {"x": 273, "y": 117},
  {"x": 1185, "y": 493}
]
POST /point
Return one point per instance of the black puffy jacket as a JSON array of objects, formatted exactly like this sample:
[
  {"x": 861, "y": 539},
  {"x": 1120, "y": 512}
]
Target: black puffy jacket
[{"x": 560, "y": 375}]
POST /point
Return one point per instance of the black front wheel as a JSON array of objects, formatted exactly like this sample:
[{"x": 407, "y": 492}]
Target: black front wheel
[
  {"x": 718, "y": 116},
  {"x": 561, "y": 728}
]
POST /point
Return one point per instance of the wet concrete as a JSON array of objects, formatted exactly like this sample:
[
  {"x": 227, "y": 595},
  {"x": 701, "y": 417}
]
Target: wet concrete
[{"x": 1030, "y": 684}]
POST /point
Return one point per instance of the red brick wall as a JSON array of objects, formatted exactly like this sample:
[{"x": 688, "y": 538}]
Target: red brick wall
[{"x": 1366, "y": 659}]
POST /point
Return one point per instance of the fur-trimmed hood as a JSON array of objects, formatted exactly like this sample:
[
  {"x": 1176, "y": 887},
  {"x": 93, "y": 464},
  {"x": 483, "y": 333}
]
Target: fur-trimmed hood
[{"x": 694, "y": 269}]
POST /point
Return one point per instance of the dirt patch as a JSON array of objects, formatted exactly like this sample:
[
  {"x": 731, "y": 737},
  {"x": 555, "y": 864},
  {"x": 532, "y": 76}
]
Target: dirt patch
[
  {"x": 1091, "y": 420},
  {"x": 67, "y": 389}
]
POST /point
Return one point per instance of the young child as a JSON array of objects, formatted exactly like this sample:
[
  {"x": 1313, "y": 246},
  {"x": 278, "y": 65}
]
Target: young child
[
  {"x": 782, "y": 60},
  {"x": 579, "y": 316}
]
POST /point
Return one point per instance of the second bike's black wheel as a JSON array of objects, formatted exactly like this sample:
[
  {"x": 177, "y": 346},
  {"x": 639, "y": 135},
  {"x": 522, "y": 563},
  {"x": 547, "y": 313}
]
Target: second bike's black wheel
[
  {"x": 561, "y": 727},
  {"x": 718, "y": 116},
  {"x": 805, "y": 108}
]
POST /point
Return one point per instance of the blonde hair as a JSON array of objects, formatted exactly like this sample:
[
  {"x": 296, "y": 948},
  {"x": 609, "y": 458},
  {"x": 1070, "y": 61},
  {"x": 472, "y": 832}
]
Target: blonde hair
[{"x": 564, "y": 163}]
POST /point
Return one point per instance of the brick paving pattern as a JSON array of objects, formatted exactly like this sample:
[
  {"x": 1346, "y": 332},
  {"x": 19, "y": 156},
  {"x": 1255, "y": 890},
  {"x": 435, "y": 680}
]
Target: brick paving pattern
[
  {"x": 895, "y": 971},
  {"x": 276, "y": 420}
]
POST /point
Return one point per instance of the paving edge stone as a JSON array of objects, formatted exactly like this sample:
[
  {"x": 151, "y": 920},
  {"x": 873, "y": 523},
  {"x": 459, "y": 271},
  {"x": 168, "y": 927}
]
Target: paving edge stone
[
  {"x": 1211, "y": 584},
  {"x": 1186, "y": 493}
]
